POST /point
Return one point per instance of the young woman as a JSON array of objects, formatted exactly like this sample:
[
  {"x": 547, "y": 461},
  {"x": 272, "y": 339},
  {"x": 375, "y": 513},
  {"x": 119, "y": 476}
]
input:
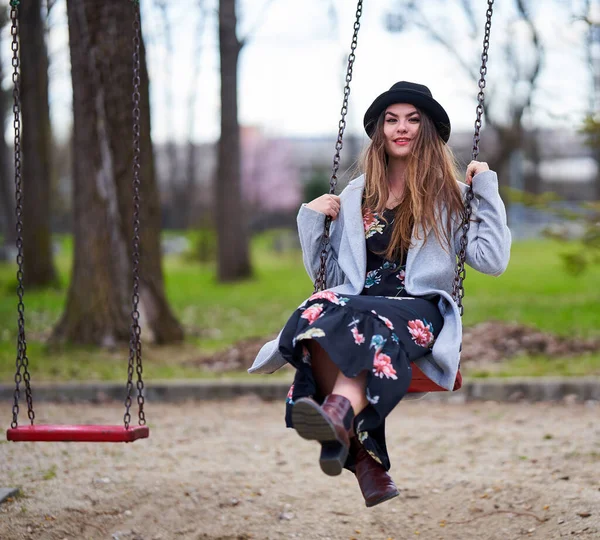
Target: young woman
[{"x": 390, "y": 265}]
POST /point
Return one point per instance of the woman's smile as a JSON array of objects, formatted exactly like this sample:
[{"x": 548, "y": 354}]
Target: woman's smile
[{"x": 402, "y": 141}]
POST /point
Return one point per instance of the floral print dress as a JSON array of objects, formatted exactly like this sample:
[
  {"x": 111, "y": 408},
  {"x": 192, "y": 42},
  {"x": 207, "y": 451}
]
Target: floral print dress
[{"x": 379, "y": 331}]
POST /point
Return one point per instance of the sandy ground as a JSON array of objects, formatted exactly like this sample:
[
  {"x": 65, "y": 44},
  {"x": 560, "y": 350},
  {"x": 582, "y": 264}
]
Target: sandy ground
[{"x": 232, "y": 471}]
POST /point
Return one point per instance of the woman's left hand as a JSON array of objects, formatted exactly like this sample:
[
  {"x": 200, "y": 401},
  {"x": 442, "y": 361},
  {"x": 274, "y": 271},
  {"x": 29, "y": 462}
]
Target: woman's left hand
[{"x": 475, "y": 167}]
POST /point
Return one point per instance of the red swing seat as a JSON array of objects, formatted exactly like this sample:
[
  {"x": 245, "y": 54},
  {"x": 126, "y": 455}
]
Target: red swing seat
[
  {"x": 81, "y": 433},
  {"x": 421, "y": 383}
]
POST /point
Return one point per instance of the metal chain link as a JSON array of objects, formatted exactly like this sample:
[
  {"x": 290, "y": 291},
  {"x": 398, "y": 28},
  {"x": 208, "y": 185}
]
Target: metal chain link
[
  {"x": 458, "y": 290},
  {"x": 22, "y": 362},
  {"x": 320, "y": 281},
  {"x": 135, "y": 343}
]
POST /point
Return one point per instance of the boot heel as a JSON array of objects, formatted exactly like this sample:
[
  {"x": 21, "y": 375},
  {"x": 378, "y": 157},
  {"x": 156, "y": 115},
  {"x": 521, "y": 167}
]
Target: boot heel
[{"x": 333, "y": 457}]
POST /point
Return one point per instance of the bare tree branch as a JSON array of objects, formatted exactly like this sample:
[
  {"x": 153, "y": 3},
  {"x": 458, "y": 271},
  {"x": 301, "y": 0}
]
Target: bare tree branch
[
  {"x": 425, "y": 24},
  {"x": 539, "y": 52},
  {"x": 510, "y": 59},
  {"x": 256, "y": 25},
  {"x": 332, "y": 13},
  {"x": 592, "y": 60},
  {"x": 470, "y": 14}
]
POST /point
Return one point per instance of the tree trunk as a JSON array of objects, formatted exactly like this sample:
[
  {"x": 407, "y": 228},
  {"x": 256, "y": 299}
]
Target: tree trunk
[
  {"x": 99, "y": 300},
  {"x": 7, "y": 192},
  {"x": 502, "y": 165},
  {"x": 532, "y": 177},
  {"x": 596, "y": 156},
  {"x": 509, "y": 140},
  {"x": 7, "y": 197},
  {"x": 190, "y": 207},
  {"x": 37, "y": 142},
  {"x": 232, "y": 240}
]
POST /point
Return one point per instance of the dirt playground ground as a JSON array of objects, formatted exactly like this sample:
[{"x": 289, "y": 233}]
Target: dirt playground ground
[{"x": 231, "y": 470}]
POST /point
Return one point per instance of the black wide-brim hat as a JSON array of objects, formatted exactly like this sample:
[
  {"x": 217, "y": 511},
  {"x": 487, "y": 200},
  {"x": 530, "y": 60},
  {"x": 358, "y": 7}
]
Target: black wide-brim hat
[{"x": 415, "y": 94}]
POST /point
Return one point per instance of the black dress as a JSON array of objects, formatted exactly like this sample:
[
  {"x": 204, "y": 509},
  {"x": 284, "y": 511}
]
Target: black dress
[{"x": 379, "y": 331}]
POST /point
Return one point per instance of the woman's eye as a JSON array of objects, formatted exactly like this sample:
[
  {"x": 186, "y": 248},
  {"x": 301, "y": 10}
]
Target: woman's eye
[{"x": 415, "y": 120}]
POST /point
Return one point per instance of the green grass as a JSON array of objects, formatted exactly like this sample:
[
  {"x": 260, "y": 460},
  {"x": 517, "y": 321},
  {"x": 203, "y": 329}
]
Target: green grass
[
  {"x": 535, "y": 290},
  {"x": 541, "y": 366}
]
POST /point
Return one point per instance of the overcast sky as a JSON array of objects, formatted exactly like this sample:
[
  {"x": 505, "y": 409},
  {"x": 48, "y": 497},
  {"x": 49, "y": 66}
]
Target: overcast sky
[{"x": 291, "y": 71}]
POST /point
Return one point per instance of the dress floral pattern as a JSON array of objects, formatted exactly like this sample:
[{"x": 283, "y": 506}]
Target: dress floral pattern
[{"x": 379, "y": 331}]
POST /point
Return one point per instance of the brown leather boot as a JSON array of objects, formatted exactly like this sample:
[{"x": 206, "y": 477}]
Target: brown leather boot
[
  {"x": 329, "y": 424},
  {"x": 375, "y": 483}
]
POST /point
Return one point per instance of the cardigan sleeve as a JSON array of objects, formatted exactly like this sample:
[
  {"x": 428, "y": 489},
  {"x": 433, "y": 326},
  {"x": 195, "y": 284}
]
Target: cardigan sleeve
[
  {"x": 311, "y": 225},
  {"x": 489, "y": 238}
]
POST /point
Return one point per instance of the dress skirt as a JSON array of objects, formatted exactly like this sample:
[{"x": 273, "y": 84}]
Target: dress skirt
[{"x": 380, "y": 331}]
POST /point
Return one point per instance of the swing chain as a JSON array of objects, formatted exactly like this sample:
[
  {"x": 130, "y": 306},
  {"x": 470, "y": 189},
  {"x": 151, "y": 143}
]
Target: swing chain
[
  {"x": 22, "y": 361},
  {"x": 320, "y": 281},
  {"x": 482, "y": 83},
  {"x": 135, "y": 343},
  {"x": 458, "y": 290}
]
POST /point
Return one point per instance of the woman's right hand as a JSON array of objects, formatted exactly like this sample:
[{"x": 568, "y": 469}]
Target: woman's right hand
[{"x": 326, "y": 204}]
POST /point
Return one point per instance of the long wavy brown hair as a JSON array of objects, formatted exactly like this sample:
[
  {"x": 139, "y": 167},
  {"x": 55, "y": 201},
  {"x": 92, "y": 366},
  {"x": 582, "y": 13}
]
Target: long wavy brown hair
[{"x": 430, "y": 185}]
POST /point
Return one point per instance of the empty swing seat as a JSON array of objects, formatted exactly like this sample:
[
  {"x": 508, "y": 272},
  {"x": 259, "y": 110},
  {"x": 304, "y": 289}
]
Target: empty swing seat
[{"x": 81, "y": 433}]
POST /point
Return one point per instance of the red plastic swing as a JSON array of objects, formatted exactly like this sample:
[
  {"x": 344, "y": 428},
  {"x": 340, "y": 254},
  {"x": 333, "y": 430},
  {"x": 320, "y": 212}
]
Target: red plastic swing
[
  {"x": 78, "y": 433},
  {"x": 420, "y": 383}
]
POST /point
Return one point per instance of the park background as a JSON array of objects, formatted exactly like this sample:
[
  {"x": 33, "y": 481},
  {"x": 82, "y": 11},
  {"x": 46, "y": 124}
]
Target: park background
[{"x": 240, "y": 104}]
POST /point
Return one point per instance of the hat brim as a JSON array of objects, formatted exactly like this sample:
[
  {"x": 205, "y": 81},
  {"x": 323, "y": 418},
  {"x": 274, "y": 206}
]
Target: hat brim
[{"x": 420, "y": 100}]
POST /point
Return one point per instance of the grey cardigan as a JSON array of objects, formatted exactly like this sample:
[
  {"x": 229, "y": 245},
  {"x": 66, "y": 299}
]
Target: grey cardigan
[{"x": 429, "y": 268}]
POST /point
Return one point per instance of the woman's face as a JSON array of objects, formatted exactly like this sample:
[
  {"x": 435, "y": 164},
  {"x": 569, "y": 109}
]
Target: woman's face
[{"x": 400, "y": 126}]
